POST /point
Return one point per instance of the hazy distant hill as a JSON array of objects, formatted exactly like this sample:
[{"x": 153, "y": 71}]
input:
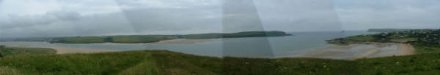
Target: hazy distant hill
[
  {"x": 26, "y": 39},
  {"x": 157, "y": 38}
]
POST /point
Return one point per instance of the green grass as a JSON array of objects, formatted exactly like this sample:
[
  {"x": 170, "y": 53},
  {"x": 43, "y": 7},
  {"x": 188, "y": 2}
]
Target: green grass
[
  {"x": 426, "y": 48},
  {"x": 82, "y": 40},
  {"x": 353, "y": 39},
  {"x": 171, "y": 63},
  {"x": 365, "y": 38},
  {"x": 75, "y": 64},
  {"x": 146, "y": 67},
  {"x": 10, "y": 51},
  {"x": 422, "y": 64},
  {"x": 138, "y": 62},
  {"x": 9, "y": 71},
  {"x": 288, "y": 66}
]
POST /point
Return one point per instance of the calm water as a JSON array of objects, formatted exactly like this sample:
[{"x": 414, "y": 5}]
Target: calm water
[{"x": 241, "y": 47}]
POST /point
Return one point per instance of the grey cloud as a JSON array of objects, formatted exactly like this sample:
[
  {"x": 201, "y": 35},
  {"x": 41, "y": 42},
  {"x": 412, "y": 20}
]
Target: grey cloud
[
  {"x": 173, "y": 16},
  {"x": 286, "y": 15},
  {"x": 298, "y": 15},
  {"x": 360, "y": 15},
  {"x": 41, "y": 20},
  {"x": 240, "y": 15},
  {"x": 133, "y": 21},
  {"x": 64, "y": 15},
  {"x": 204, "y": 16},
  {"x": 153, "y": 20}
]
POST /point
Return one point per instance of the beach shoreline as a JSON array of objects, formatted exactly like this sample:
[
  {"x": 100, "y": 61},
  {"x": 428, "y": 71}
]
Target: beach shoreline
[
  {"x": 360, "y": 51},
  {"x": 407, "y": 49},
  {"x": 60, "y": 50},
  {"x": 182, "y": 41}
]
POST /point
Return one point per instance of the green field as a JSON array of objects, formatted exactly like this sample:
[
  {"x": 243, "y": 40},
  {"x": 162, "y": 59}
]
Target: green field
[{"x": 14, "y": 51}]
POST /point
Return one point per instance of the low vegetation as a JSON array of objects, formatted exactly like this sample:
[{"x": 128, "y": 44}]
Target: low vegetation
[
  {"x": 11, "y": 51},
  {"x": 420, "y": 64},
  {"x": 172, "y": 63}
]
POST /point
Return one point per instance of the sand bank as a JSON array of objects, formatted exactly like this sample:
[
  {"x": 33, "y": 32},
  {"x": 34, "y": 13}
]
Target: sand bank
[
  {"x": 182, "y": 41},
  {"x": 80, "y": 50},
  {"x": 358, "y": 51},
  {"x": 407, "y": 49}
]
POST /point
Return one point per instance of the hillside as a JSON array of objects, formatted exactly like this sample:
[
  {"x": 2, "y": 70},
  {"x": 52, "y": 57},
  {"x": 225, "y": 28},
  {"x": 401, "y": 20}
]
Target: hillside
[
  {"x": 172, "y": 63},
  {"x": 393, "y": 30},
  {"x": 425, "y": 41}
]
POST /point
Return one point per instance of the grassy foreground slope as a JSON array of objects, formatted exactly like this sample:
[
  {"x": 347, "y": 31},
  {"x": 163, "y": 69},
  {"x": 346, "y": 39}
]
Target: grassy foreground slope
[
  {"x": 421, "y": 64},
  {"x": 172, "y": 63},
  {"x": 165, "y": 63},
  {"x": 14, "y": 51}
]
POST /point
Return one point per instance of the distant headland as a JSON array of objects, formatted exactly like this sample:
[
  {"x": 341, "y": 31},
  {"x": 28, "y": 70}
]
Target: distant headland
[
  {"x": 393, "y": 30},
  {"x": 157, "y": 38}
]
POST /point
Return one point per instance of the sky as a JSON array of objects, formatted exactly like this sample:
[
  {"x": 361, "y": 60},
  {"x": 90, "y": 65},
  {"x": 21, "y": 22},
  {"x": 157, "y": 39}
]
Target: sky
[{"x": 51, "y": 18}]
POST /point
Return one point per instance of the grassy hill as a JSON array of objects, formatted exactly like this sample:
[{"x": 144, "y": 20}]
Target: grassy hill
[
  {"x": 14, "y": 51},
  {"x": 172, "y": 63}
]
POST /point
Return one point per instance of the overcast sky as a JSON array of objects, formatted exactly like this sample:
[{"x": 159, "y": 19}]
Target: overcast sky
[{"x": 47, "y": 18}]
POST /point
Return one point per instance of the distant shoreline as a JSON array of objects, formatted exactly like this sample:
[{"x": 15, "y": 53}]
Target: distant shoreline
[
  {"x": 158, "y": 38},
  {"x": 60, "y": 50},
  {"x": 341, "y": 52},
  {"x": 182, "y": 41}
]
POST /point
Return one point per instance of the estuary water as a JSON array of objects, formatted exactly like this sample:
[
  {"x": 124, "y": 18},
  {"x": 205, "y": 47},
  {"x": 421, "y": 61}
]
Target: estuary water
[{"x": 286, "y": 46}]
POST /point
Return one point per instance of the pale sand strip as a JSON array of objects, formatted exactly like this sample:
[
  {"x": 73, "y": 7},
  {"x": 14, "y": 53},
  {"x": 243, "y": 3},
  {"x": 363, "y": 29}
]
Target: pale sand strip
[
  {"x": 368, "y": 53},
  {"x": 182, "y": 41},
  {"x": 407, "y": 49},
  {"x": 346, "y": 52},
  {"x": 332, "y": 52},
  {"x": 80, "y": 50}
]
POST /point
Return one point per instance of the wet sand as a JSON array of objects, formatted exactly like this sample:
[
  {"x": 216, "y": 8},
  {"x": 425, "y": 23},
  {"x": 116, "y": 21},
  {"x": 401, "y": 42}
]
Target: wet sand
[
  {"x": 344, "y": 52},
  {"x": 359, "y": 51},
  {"x": 61, "y": 50}
]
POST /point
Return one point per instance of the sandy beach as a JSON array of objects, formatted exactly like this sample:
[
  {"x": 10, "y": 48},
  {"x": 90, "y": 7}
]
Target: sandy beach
[
  {"x": 80, "y": 50},
  {"x": 182, "y": 41},
  {"x": 343, "y": 52},
  {"x": 407, "y": 49},
  {"x": 61, "y": 50},
  {"x": 359, "y": 51}
]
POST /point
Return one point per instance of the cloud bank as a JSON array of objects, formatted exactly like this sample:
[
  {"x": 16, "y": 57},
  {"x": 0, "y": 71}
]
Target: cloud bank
[{"x": 48, "y": 18}]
